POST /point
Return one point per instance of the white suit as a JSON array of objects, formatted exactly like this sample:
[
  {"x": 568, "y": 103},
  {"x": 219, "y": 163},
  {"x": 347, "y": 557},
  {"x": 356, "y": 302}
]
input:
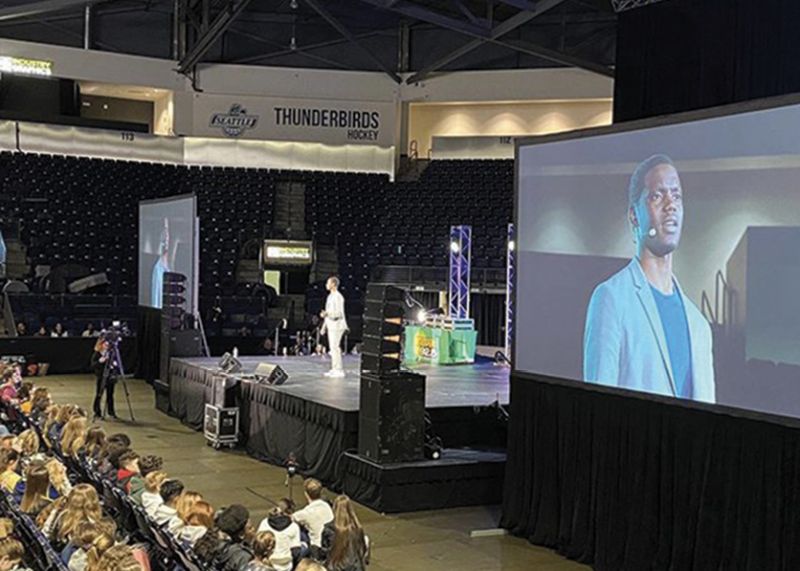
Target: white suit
[{"x": 335, "y": 325}]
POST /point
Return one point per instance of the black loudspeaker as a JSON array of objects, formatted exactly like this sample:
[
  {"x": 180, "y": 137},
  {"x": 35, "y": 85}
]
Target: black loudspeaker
[
  {"x": 382, "y": 329},
  {"x": 271, "y": 374},
  {"x": 391, "y": 422},
  {"x": 186, "y": 343}
]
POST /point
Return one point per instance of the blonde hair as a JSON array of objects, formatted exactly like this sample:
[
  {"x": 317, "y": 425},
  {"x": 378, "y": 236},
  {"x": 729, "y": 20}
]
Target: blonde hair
[
  {"x": 153, "y": 481},
  {"x": 202, "y": 514},
  {"x": 6, "y": 528},
  {"x": 58, "y": 476},
  {"x": 83, "y": 504},
  {"x": 313, "y": 488},
  {"x": 28, "y": 442},
  {"x": 11, "y": 549},
  {"x": 52, "y": 416},
  {"x": 73, "y": 437},
  {"x": 95, "y": 555},
  {"x": 116, "y": 558},
  {"x": 264, "y": 545},
  {"x": 185, "y": 503}
]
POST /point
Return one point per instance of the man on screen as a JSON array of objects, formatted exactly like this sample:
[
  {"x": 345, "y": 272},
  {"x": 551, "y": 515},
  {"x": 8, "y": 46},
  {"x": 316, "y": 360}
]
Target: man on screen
[
  {"x": 642, "y": 332},
  {"x": 160, "y": 267}
]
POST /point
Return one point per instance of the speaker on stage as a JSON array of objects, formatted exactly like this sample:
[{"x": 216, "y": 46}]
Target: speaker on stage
[
  {"x": 382, "y": 329},
  {"x": 391, "y": 421},
  {"x": 267, "y": 373}
]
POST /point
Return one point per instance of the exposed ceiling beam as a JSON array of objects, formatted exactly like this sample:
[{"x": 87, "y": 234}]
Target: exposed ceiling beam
[
  {"x": 424, "y": 14},
  {"x": 526, "y": 5},
  {"x": 497, "y": 32},
  {"x": 221, "y": 23},
  {"x": 42, "y": 7},
  {"x": 301, "y": 48},
  {"x": 555, "y": 56},
  {"x": 344, "y": 32}
]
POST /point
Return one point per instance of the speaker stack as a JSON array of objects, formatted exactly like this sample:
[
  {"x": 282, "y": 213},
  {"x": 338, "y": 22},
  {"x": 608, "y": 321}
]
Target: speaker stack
[
  {"x": 391, "y": 422},
  {"x": 176, "y": 339}
]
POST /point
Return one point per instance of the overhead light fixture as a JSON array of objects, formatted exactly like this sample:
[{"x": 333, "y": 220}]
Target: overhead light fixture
[
  {"x": 511, "y": 245},
  {"x": 293, "y": 4},
  {"x": 455, "y": 247}
]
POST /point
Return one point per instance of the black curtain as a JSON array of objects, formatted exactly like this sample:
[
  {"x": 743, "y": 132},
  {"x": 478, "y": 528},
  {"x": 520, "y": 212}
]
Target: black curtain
[
  {"x": 631, "y": 483},
  {"x": 691, "y": 54},
  {"x": 148, "y": 343},
  {"x": 489, "y": 311}
]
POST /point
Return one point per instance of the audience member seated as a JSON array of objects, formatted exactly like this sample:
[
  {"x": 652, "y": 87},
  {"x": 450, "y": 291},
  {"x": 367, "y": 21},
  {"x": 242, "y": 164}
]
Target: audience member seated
[
  {"x": 73, "y": 437},
  {"x": 58, "y": 331},
  {"x": 147, "y": 464},
  {"x": 345, "y": 547},
  {"x": 60, "y": 485},
  {"x": 288, "y": 543},
  {"x": 315, "y": 515},
  {"x": 170, "y": 491},
  {"x": 199, "y": 519},
  {"x": 42, "y": 332},
  {"x": 151, "y": 497},
  {"x": 95, "y": 442},
  {"x": 225, "y": 544},
  {"x": 183, "y": 507},
  {"x": 9, "y": 462},
  {"x": 11, "y": 550},
  {"x": 35, "y": 490},
  {"x": 90, "y": 331},
  {"x": 8, "y": 385},
  {"x": 263, "y": 549},
  {"x": 91, "y": 540},
  {"x": 128, "y": 469},
  {"x": 22, "y": 329},
  {"x": 309, "y": 565}
]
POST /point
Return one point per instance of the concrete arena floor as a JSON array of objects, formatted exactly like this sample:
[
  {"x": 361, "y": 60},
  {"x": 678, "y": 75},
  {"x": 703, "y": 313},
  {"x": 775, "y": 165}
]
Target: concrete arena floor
[{"x": 406, "y": 542}]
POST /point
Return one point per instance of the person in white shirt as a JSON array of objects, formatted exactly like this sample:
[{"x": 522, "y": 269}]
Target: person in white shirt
[
  {"x": 316, "y": 514},
  {"x": 58, "y": 331},
  {"x": 198, "y": 521},
  {"x": 167, "y": 512},
  {"x": 151, "y": 497},
  {"x": 287, "y": 537},
  {"x": 335, "y": 325}
]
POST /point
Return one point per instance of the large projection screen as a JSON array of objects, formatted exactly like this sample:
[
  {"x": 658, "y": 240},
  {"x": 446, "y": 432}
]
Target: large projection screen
[
  {"x": 665, "y": 259},
  {"x": 167, "y": 243}
]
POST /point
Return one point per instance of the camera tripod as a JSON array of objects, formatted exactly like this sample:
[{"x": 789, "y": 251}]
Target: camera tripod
[{"x": 114, "y": 370}]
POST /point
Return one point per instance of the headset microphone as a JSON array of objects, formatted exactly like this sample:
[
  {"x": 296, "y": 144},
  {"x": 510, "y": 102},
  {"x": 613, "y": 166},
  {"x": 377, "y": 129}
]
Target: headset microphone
[{"x": 652, "y": 232}]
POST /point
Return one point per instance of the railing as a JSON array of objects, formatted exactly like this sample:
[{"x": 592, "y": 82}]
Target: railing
[{"x": 487, "y": 279}]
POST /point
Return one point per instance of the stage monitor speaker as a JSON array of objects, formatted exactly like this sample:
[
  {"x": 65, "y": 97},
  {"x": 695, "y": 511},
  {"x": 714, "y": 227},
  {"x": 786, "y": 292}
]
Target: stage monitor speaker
[
  {"x": 391, "y": 421},
  {"x": 382, "y": 329},
  {"x": 271, "y": 374}
]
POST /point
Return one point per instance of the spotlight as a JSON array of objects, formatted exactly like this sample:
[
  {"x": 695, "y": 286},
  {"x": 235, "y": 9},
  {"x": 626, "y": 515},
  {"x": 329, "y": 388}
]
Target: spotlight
[
  {"x": 511, "y": 245},
  {"x": 293, "y": 4},
  {"x": 455, "y": 247},
  {"x": 422, "y": 315}
]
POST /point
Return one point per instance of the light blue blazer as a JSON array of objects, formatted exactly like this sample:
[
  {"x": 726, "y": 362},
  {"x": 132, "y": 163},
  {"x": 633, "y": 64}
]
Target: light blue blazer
[{"x": 624, "y": 343}]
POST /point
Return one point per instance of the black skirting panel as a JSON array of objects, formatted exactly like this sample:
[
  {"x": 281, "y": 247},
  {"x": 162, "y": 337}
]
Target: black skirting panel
[
  {"x": 459, "y": 478},
  {"x": 631, "y": 483},
  {"x": 273, "y": 425}
]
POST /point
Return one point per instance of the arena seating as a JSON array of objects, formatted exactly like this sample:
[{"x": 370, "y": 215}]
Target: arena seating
[{"x": 84, "y": 211}]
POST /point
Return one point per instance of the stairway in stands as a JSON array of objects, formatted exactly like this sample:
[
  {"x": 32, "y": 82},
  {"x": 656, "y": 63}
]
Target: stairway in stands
[{"x": 16, "y": 260}]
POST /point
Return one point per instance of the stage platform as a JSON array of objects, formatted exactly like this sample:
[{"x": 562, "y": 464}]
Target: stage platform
[{"x": 315, "y": 418}]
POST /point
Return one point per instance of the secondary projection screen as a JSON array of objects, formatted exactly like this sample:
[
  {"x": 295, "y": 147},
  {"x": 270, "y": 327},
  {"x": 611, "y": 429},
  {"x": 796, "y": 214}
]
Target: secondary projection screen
[
  {"x": 167, "y": 232},
  {"x": 665, "y": 259}
]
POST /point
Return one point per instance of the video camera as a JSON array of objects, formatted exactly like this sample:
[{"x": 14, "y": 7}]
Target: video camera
[{"x": 115, "y": 333}]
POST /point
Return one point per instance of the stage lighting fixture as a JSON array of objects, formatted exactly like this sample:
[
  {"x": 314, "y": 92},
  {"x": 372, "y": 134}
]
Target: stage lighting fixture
[
  {"x": 454, "y": 247},
  {"x": 422, "y": 315},
  {"x": 511, "y": 245}
]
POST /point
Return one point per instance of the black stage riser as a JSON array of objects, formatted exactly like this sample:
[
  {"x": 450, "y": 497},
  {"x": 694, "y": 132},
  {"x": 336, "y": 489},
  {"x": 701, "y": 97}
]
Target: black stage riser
[{"x": 67, "y": 355}]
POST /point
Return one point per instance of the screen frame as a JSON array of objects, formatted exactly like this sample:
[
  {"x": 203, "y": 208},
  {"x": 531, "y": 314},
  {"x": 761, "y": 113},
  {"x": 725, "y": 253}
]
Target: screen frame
[
  {"x": 717, "y": 112},
  {"x": 196, "y": 250}
]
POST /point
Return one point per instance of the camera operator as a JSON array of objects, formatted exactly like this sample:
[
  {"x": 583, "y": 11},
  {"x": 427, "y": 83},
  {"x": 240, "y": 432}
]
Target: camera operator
[{"x": 105, "y": 381}]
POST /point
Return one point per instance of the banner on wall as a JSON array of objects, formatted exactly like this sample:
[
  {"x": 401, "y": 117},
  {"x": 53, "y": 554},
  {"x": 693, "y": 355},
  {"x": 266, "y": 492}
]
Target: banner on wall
[{"x": 332, "y": 122}]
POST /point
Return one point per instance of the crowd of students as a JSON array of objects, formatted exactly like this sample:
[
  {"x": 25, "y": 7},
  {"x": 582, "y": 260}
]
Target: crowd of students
[{"x": 40, "y": 441}]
